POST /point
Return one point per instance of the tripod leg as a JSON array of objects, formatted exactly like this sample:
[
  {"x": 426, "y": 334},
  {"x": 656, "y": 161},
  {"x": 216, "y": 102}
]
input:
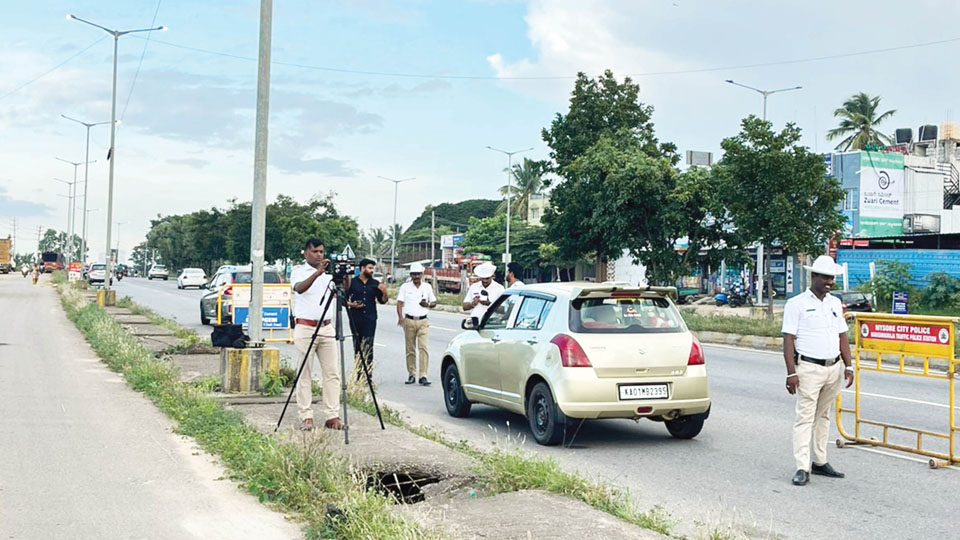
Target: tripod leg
[{"x": 367, "y": 371}]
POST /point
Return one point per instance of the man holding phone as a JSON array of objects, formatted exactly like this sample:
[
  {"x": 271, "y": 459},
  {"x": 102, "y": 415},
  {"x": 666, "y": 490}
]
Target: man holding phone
[
  {"x": 413, "y": 300},
  {"x": 482, "y": 293},
  {"x": 363, "y": 294}
]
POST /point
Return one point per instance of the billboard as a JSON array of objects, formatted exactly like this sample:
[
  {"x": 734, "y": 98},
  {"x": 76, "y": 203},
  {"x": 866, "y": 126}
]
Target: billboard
[{"x": 881, "y": 194}]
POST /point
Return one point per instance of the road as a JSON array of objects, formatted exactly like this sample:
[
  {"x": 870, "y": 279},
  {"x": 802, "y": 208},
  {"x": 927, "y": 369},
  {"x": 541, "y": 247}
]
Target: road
[
  {"x": 738, "y": 470},
  {"x": 83, "y": 456}
]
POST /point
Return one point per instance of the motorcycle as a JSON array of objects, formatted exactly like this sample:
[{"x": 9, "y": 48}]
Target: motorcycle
[
  {"x": 119, "y": 275},
  {"x": 737, "y": 296}
]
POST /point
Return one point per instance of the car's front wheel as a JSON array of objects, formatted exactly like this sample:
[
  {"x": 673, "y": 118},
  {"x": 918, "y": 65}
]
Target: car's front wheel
[
  {"x": 547, "y": 422},
  {"x": 685, "y": 427},
  {"x": 203, "y": 318},
  {"x": 456, "y": 401}
]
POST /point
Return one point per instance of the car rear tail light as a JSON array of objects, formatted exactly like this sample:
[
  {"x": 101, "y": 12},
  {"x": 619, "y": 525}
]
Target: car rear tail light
[
  {"x": 227, "y": 292},
  {"x": 644, "y": 410},
  {"x": 869, "y": 306},
  {"x": 571, "y": 353},
  {"x": 696, "y": 353}
]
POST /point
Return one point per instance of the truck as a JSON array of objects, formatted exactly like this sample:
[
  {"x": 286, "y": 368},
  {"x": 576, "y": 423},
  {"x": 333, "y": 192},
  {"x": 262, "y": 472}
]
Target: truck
[
  {"x": 6, "y": 255},
  {"x": 51, "y": 261}
]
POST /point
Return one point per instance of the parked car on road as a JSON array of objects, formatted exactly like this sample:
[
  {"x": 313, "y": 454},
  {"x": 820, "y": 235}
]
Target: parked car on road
[
  {"x": 158, "y": 271},
  {"x": 854, "y": 301},
  {"x": 223, "y": 279},
  {"x": 98, "y": 274},
  {"x": 191, "y": 277},
  {"x": 555, "y": 352}
]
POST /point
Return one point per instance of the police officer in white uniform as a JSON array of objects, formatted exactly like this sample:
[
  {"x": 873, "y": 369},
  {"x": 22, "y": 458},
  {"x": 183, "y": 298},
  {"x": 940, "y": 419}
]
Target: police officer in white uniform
[
  {"x": 817, "y": 357},
  {"x": 482, "y": 293}
]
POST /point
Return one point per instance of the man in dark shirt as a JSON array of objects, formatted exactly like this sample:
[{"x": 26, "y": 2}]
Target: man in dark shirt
[{"x": 362, "y": 296}]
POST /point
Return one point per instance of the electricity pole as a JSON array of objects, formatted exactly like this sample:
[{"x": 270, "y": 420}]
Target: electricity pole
[{"x": 506, "y": 254}]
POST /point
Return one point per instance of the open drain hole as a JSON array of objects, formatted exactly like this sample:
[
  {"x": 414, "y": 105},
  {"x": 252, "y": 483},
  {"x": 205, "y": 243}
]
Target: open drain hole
[{"x": 405, "y": 487}]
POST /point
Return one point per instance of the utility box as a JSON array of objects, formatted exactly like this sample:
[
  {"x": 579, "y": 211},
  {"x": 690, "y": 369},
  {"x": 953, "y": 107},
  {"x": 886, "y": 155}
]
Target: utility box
[
  {"x": 241, "y": 370},
  {"x": 106, "y": 297}
]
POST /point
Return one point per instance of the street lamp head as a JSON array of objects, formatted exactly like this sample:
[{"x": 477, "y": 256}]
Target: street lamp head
[
  {"x": 71, "y": 16},
  {"x": 729, "y": 81},
  {"x": 162, "y": 29}
]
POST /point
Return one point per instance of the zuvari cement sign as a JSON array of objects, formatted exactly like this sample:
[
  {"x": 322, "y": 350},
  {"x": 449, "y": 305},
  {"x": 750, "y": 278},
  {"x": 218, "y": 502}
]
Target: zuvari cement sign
[{"x": 881, "y": 194}]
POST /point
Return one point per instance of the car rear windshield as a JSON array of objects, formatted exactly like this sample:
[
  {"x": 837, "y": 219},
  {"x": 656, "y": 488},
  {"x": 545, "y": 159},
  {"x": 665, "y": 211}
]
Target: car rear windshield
[
  {"x": 192, "y": 271},
  {"x": 624, "y": 315},
  {"x": 268, "y": 277},
  {"x": 98, "y": 267},
  {"x": 158, "y": 267}
]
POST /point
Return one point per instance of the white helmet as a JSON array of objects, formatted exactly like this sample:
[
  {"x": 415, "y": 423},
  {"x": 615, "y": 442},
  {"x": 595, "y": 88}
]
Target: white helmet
[{"x": 416, "y": 268}]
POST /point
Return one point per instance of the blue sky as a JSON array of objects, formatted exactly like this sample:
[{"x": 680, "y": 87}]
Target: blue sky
[{"x": 186, "y": 141}]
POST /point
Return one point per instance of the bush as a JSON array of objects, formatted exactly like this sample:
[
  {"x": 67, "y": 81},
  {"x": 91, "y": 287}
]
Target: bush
[
  {"x": 943, "y": 291},
  {"x": 890, "y": 276}
]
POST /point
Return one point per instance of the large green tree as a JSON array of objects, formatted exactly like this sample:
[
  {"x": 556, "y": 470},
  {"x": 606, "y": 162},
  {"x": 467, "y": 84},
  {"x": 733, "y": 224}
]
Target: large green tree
[
  {"x": 487, "y": 236},
  {"x": 777, "y": 192},
  {"x": 859, "y": 123},
  {"x": 613, "y": 171}
]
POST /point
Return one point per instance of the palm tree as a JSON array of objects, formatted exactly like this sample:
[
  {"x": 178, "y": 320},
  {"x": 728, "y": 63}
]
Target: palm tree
[
  {"x": 378, "y": 240},
  {"x": 859, "y": 123},
  {"x": 527, "y": 177}
]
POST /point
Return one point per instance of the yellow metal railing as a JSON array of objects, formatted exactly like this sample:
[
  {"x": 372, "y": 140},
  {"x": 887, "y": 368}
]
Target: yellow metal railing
[{"x": 883, "y": 344}]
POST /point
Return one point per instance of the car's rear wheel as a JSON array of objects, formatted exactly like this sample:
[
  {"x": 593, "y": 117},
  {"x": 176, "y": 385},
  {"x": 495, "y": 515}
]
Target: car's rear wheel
[
  {"x": 685, "y": 427},
  {"x": 456, "y": 401},
  {"x": 203, "y": 318},
  {"x": 546, "y": 421}
]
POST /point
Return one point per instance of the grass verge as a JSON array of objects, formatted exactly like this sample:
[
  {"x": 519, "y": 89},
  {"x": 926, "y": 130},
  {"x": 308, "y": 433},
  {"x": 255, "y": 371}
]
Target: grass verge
[
  {"x": 305, "y": 480},
  {"x": 732, "y": 324}
]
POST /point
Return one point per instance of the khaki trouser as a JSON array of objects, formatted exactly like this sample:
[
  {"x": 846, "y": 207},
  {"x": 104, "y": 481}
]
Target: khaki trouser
[
  {"x": 325, "y": 349},
  {"x": 817, "y": 391},
  {"x": 415, "y": 332}
]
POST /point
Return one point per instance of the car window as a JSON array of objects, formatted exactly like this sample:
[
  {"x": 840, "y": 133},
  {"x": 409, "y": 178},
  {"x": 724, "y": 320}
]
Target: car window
[
  {"x": 533, "y": 312},
  {"x": 268, "y": 277},
  {"x": 625, "y": 315},
  {"x": 501, "y": 311}
]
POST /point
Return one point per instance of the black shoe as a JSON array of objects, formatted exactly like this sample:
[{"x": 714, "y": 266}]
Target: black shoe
[
  {"x": 424, "y": 381},
  {"x": 802, "y": 478},
  {"x": 411, "y": 380},
  {"x": 826, "y": 470}
]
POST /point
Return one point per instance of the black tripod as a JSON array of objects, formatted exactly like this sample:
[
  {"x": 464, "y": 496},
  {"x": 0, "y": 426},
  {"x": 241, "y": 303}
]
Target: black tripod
[{"x": 339, "y": 294}]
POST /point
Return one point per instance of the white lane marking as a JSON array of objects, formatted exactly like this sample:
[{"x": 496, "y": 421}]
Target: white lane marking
[
  {"x": 747, "y": 349},
  {"x": 891, "y": 454},
  {"x": 379, "y": 345},
  {"x": 908, "y": 400},
  {"x": 445, "y": 328}
]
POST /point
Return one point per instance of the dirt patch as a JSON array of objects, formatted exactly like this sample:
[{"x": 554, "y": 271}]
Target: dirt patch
[{"x": 404, "y": 487}]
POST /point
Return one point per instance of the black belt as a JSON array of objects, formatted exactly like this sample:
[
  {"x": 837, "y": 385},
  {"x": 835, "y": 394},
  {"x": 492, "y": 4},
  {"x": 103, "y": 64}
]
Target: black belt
[
  {"x": 818, "y": 361},
  {"x": 415, "y": 318}
]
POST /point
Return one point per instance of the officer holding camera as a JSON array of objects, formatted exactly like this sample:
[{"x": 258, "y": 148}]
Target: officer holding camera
[
  {"x": 482, "y": 293},
  {"x": 363, "y": 294}
]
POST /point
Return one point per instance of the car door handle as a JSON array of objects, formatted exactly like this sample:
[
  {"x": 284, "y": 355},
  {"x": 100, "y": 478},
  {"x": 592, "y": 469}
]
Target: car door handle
[
  {"x": 495, "y": 338},
  {"x": 532, "y": 341}
]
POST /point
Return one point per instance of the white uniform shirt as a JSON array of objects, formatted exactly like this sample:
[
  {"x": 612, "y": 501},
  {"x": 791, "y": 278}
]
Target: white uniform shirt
[
  {"x": 816, "y": 324},
  {"x": 411, "y": 295},
  {"x": 309, "y": 305},
  {"x": 493, "y": 292},
  {"x": 516, "y": 285}
]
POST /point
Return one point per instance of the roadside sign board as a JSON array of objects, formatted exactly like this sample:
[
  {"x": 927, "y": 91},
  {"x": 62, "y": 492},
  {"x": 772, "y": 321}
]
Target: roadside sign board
[
  {"x": 910, "y": 334},
  {"x": 75, "y": 271},
  {"x": 901, "y": 302},
  {"x": 274, "y": 318}
]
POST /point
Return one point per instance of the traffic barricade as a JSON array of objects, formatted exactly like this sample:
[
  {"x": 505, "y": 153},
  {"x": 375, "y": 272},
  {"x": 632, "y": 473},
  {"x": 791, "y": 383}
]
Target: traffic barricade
[
  {"x": 904, "y": 345},
  {"x": 277, "y": 298}
]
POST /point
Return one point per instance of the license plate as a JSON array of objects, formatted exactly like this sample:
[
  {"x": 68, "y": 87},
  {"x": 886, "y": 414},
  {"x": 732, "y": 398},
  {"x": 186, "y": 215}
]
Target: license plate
[{"x": 643, "y": 391}]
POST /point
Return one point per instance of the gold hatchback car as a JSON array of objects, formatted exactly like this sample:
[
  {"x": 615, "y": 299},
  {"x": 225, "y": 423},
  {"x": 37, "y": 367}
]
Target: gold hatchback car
[{"x": 560, "y": 351}]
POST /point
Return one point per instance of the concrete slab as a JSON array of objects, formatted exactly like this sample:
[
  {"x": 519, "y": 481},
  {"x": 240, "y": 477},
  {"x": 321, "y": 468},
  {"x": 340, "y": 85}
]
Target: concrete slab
[
  {"x": 158, "y": 344},
  {"x": 392, "y": 449},
  {"x": 113, "y": 310},
  {"x": 147, "y": 330},
  {"x": 123, "y": 318},
  {"x": 521, "y": 515},
  {"x": 195, "y": 366}
]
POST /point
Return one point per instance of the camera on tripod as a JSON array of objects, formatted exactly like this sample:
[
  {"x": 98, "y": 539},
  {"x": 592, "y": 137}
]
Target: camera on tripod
[{"x": 341, "y": 266}]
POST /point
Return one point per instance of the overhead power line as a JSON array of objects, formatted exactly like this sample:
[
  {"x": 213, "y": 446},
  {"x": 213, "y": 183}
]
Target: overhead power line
[
  {"x": 558, "y": 77},
  {"x": 143, "y": 53},
  {"x": 51, "y": 70}
]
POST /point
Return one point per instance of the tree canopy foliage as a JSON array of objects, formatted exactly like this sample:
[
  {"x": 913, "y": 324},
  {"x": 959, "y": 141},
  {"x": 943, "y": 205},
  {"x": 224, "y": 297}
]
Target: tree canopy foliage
[{"x": 454, "y": 214}]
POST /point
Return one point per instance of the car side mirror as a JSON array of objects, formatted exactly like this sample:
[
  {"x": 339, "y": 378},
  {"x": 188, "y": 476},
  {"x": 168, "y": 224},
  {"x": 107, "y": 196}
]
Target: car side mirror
[{"x": 470, "y": 323}]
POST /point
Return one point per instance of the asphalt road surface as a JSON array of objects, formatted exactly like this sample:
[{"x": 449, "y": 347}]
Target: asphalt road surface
[
  {"x": 737, "y": 470},
  {"x": 83, "y": 456}
]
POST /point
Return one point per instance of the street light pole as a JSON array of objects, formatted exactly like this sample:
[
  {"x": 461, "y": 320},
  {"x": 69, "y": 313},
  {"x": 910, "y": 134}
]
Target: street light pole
[
  {"x": 393, "y": 226},
  {"x": 86, "y": 184},
  {"x": 112, "y": 155},
  {"x": 765, "y": 94},
  {"x": 69, "y": 197},
  {"x": 506, "y": 258},
  {"x": 73, "y": 210}
]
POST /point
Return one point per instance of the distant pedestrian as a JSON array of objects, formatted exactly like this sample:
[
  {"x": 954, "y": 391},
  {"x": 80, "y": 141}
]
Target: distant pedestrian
[
  {"x": 817, "y": 355},
  {"x": 514, "y": 271},
  {"x": 363, "y": 294},
  {"x": 312, "y": 287},
  {"x": 413, "y": 300},
  {"x": 483, "y": 292},
  {"x": 35, "y": 274}
]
